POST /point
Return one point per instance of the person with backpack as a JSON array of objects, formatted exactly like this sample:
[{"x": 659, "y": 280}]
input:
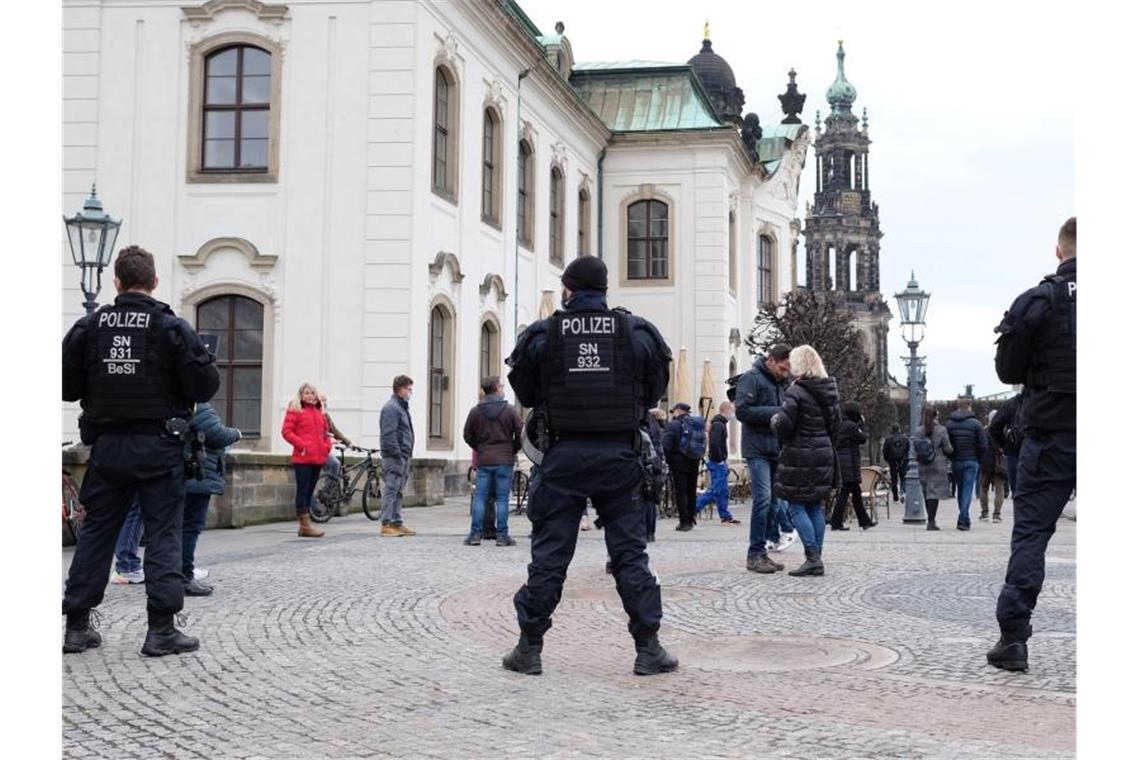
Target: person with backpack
[
  {"x": 1007, "y": 433},
  {"x": 847, "y": 442},
  {"x": 993, "y": 475},
  {"x": 718, "y": 466},
  {"x": 932, "y": 451},
  {"x": 684, "y": 444},
  {"x": 896, "y": 449},
  {"x": 969, "y": 440}
]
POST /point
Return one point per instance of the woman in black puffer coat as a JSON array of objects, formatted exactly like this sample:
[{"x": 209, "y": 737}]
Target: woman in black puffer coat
[
  {"x": 847, "y": 443},
  {"x": 806, "y": 424}
]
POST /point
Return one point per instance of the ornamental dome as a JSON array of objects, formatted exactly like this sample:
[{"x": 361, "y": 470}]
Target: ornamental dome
[
  {"x": 718, "y": 82},
  {"x": 841, "y": 94}
]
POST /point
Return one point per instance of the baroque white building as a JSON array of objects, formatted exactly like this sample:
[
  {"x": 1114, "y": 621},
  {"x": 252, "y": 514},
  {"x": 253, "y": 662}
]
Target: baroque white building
[{"x": 347, "y": 190}]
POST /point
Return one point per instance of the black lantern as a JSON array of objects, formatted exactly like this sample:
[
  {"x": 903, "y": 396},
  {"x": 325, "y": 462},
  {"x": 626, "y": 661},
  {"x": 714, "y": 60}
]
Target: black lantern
[
  {"x": 912, "y": 311},
  {"x": 91, "y": 234}
]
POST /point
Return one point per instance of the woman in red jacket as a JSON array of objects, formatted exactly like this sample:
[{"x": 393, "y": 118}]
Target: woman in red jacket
[{"x": 306, "y": 428}]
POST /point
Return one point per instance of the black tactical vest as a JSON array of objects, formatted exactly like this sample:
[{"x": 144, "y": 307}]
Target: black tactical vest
[
  {"x": 588, "y": 382},
  {"x": 130, "y": 366},
  {"x": 1054, "y": 367}
]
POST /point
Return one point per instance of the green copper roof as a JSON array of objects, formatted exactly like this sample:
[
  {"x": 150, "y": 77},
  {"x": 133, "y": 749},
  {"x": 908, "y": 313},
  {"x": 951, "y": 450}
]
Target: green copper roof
[
  {"x": 773, "y": 146},
  {"x": 622, "y": 65},
  {"x": 647, "y": 98},
  {"x": 841, "y": 94},
  {"x": 514, "y": 9}
]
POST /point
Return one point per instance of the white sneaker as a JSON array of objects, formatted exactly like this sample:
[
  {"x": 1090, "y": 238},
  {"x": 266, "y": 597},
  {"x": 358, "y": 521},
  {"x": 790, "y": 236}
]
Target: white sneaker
[
  {"x": 786, "y": 540},
  {"x": 770, "y": 546},
  {"x": 122, "y": 579},
  {"x": 201, "y": 573}
]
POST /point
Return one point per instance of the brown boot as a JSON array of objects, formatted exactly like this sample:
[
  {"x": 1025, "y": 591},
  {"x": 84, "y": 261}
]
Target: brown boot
[
  {"x": 305, "y": 529},
  {"x": 405, "y": 530},
  {"x": 388, "y": 530}
]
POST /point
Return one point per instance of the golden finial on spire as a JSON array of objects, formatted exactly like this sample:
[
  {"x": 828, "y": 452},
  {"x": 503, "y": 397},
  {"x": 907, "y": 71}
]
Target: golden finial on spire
[{"x": 707, "y": 29}]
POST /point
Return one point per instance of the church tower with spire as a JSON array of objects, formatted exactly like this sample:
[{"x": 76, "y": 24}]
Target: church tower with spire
[{"x": 841, "y": 229}]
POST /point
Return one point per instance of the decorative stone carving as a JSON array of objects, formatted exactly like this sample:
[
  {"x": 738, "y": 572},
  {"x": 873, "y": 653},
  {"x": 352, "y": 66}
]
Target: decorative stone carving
[
  {"x": 495, "y": 282},
  {"x": 529, "y": 134},
  {"x": 452, "y": 261},
  {"x": 257, "y": 260},
  {"x": 448, "y": 50},
  {"x": 495, "y": 97},
  {"x": 558, "y": 151},
  {"x": 201, "y": 14}
]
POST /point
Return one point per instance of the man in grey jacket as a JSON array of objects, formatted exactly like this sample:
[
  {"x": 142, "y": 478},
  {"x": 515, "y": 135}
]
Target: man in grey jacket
[{"x": 397, "y": 439}]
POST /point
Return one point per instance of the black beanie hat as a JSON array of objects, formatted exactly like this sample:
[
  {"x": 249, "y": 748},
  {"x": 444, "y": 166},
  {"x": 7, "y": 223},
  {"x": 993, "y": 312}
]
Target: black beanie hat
[{"x": 585, "y": 273}]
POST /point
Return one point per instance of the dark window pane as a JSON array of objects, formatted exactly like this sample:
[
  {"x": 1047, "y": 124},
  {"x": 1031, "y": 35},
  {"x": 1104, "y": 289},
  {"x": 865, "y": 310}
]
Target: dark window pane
[
  {"x": 248, "y": 313},
  {"x": 659, "y": 228},
  {"x": 255, "y": 125},
  {"x": 637, "y": 226},
  {"x": 224, "y": 343},
  {"x": 254, "y": 154},
  {"x": 221, "y": 91},
  {"x": 658, "y": 251},
  {"x": 256, "y": 62},
  {"x": 223, "y": 63},
  {"x": 659, "y": 269},
  {"x": 247, "y": 345},
  {"x": 658, "y": 210},
  {"x": 221, "y": 398},
  {"x": 219, "y": 124},
  {"x": 247, "y": 416},
  {"x": 219, "y": 154},
  {"x": 637, "y": 263},
  {"x": 213, "y": 315},
  {"x": 247, "y": 383},
  {"x": 254, "y": 89}
]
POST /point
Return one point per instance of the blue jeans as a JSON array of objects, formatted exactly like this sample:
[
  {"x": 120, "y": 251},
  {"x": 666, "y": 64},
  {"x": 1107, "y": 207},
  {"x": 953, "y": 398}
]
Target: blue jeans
[
  {"x": 127, "y": 547},
  {"x": 499, "y": 478},
  {"x": 717, "y": 490},
  {"x": 809, "y": 522},
  {"x": 778, "y": 520},
  {"x": 965, "y": 472},
  {"x": 761, "y": 471}
]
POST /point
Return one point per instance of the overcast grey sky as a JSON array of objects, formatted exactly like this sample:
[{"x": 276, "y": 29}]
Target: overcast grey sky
[{"x": 972, "y": 118}]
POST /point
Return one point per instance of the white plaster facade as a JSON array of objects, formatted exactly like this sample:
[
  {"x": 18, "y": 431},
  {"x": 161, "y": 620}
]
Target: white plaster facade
[{"x": 349, "y": 249}]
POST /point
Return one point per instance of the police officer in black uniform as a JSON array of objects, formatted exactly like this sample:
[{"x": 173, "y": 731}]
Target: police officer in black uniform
[
  {"x": 590, "y": 372},
  {"x": 137, "y": 370},
  {"x": 1037, "y": 346}
]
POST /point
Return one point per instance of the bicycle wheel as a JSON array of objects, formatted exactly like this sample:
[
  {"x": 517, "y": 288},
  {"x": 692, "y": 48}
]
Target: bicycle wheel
[
  {"x": 73, "y": 510},
  {"x": 329, "y": 496},
  {"x": 370, "y": 496}
]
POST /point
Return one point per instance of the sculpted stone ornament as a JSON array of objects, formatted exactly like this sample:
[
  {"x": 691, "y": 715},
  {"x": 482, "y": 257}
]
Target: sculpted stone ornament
[
  {"x": 494, "y": 96},
  {"x": 750, "y": 134},
  {"x": 792, "y": 101}
]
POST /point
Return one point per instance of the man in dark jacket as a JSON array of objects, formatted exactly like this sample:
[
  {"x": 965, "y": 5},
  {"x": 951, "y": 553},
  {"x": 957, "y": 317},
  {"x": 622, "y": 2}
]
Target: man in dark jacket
[
  {"x": 494, "y": 431},
  {"x": 848, "y": 441},
  {"x": 896, "y": 450},
  {"x": 718, "y": 466},
  {"x": 1007, "y": 434},
  {"x": 968, "y": 438},
  {"x": 397, "y": 440},
  {"x": 682, "y": 467},
  {"x": 759, "y": 395}
]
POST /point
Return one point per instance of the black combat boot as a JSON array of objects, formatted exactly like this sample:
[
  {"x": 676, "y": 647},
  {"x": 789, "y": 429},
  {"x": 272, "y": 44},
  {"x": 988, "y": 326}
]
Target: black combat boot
[
  {"x": 80, "y": 634},
  {"x": 812, "y": 565},
  {"x": 163, "y": 638},
  {"x": 525, "y": 658},
  {"x": 1008, "y": 654},
  {"x": 652, "y": 659},
  {"x": 195, "y": 587}
]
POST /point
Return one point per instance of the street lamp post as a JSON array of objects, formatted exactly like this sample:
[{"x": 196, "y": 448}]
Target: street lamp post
[
  {"x": 912, "y": 312},
  {"x": 91, "y": 234}
]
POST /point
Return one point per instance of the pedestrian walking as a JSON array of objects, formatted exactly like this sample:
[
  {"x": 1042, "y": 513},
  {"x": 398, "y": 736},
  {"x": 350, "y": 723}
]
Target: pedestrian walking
[
  {"x": 306, "y": 429},
  {"x": 1037, "y": 346},
  {"x": 969, "y": 440},
  {"x": 896, "y": 450},
  {"x": 992, "y": 475},
  {"x": 807, "y": 423},
  {"x": 494, "y": 431},
  {"x": 759, "y": 395},
  {"x": 847, "y": 442},
  {"x": 933, "y": 453},
  {"x": 397, "y": 440},
  {"x": 588, "y": 424},
  {"x": 137, "y": 370},
  {"x": 717, "y": 465},
  {"x": 215, "y": 438},
  {"x": 684, "y": 444},
  {"x": 1007, "y": 433}
]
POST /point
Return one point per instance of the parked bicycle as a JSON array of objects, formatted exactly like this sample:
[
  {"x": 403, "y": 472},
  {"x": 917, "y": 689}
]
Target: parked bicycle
[
  {"x": 73, "y": 511},
  {"x": 335, "y": 491}
]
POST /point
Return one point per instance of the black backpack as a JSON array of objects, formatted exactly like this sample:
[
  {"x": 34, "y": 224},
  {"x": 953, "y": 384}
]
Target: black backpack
[
  {"x": 924, "y": 451},
  {"x": 895, "y": 449},
  {"x": 693, "y": 438}
]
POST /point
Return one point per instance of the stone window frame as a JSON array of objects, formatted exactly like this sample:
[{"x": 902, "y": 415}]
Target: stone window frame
[
  {"x": 444, "y": 440},
  {"x": 199, "y": 51},
  {"x": 495, "y": 362},
  {"x": 269, "y": 420},
  {"x": 643, "y": 193},
  {"x": 524, "y": 213},
  {"x": 449, "y": 191},
  {"x": 494, "y": 218},
  {"x": 763, "y": 299},
  {"x": 557, "y": 244},
  {"x": 584, "y": 201}
]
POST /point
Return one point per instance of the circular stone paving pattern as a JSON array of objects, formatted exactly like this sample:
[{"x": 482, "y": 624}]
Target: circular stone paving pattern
[{"x": 777, "y": 654}]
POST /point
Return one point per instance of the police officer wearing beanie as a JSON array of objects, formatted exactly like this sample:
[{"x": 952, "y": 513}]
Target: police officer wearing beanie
[
  {"x": 591, "y": 372},
  {"x": 137, "y": 370},
  {"x": 1037, "y": 346}
]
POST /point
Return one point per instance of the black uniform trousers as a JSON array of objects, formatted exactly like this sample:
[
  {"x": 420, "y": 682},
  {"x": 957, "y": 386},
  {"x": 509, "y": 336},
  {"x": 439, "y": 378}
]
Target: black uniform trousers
[
  {"x": 609, "y": 474},
  {"x": 1046, "y": 477},
  {"x": 121, "y": 467},
  {"x": 898, "y": 475},
  {"x": 685, "y": 472}
]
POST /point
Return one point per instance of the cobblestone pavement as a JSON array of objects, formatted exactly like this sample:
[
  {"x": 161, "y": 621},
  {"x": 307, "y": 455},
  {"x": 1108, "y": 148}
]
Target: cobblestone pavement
[{"x": 354, "y": 646}]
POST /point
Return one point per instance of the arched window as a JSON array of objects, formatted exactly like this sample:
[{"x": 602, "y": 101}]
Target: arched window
[
  {"x": 439, "y": 392},
  {"x": 648, "y": 240},
  {"x": 235, "y": 110},
  {"x": 489, "y": 362},
  {"x": 556, "y": 225},
  {"x": 732, "y": 252},
  {"x": 763, "y": 270},
  {"x": 445, "y": 115},
  {"x": 492, "y": 161},
  {"x": 238, "y": 323},
  {"x": 525, "y": 221},
  {"x": 583, "y": 221}
]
